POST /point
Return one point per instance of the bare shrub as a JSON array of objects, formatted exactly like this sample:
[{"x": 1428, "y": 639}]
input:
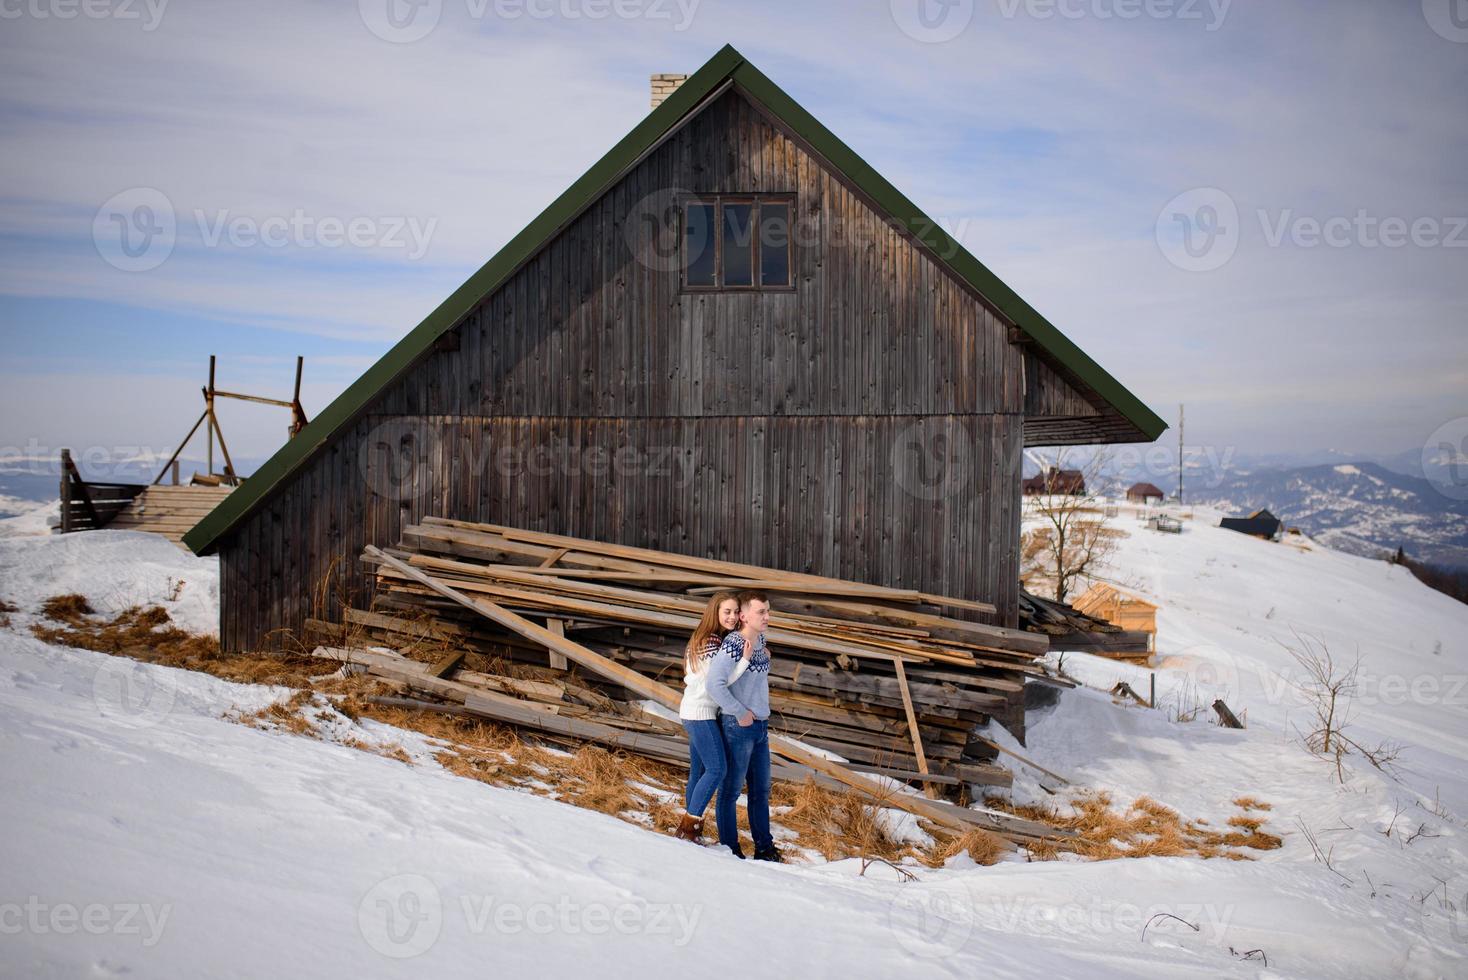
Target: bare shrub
[{"x": 1328, "y": 689}]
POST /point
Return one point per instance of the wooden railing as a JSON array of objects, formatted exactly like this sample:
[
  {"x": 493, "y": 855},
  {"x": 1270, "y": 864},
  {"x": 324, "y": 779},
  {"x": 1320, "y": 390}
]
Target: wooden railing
[{"x": 88, "y": 506}]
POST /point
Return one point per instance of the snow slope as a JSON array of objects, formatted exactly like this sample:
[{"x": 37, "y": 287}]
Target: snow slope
[{"x": 149, "y": 835}]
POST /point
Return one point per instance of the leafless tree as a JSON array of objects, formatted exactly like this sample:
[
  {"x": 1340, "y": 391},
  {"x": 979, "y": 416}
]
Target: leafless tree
[{"x": 1073, "y": 539}]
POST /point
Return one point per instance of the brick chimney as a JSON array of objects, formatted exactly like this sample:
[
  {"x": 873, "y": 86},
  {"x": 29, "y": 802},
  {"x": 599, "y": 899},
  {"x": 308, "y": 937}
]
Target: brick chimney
[{"x": 664, "y": 86}]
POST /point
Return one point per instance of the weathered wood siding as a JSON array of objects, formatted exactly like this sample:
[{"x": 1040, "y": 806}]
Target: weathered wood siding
[{"x": 867, "y": 424}]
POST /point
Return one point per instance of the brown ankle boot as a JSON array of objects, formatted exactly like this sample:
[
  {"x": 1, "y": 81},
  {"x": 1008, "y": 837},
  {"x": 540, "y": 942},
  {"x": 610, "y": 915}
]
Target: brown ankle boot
[{"x": 690, "y": 828}]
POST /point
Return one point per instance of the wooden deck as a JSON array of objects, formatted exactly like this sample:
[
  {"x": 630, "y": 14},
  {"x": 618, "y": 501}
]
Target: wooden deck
[{"x": 169, "y": 511}]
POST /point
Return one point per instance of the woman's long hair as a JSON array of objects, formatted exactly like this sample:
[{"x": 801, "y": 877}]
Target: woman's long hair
[{"x": 708, "y": 628}]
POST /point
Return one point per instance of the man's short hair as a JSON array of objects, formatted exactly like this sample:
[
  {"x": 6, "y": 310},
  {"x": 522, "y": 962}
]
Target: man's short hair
[{"x": 752, "y": 595}]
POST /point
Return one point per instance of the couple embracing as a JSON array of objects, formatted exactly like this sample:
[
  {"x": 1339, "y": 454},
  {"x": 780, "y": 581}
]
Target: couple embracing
[{"x": 726, "y": 710}]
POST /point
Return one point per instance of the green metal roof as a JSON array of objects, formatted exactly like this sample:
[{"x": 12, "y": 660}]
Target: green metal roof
[{"x": 727, "y": 65}]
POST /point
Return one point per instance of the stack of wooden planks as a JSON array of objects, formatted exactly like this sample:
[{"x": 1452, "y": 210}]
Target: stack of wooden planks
[
  {"x": 1076, "y": 629},
  {"x": 891, "y": 680}
]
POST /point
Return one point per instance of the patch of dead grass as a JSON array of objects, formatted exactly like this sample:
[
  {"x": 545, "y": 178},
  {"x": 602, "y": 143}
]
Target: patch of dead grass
[
  {"x": 70, "y": 608},
  {"x": 1144, "y": 829}
]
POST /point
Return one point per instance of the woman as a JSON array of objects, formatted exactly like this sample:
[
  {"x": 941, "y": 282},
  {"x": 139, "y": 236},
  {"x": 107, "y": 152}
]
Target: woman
[{"x": 700, "y": 715}]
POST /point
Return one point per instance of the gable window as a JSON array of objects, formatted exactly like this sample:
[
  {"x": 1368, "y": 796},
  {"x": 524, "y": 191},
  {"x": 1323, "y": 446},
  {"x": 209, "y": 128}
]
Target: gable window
[{"x": 738, "y": 242}]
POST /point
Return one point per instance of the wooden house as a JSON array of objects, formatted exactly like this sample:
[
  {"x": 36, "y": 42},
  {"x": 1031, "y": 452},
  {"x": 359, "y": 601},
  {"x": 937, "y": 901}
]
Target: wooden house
[
  {"x": 730, "y": 338},
  {"x": 1144, "y": 493},
  {"x": 1055, "y": 481},
  {"x": 1260, "y": 524},
  {"x": 1125, "y": 609}
]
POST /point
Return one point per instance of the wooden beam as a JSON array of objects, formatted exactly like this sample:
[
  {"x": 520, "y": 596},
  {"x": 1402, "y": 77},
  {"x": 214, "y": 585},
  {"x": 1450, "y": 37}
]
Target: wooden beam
[
  {"x": 912, "y": 725},
  {"x": 447, "y": 664},
  {"x": 557, "y": 660}
]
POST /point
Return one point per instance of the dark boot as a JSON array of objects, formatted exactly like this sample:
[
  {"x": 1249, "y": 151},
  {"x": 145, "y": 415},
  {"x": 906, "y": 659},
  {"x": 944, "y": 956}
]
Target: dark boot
[
  {"x": 768, "y": 853},
  {"x": 690, "y": 828}
]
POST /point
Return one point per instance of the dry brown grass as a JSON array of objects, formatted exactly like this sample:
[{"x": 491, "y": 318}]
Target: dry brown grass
[
  {"x": 980, "y": 845},
  {"x": 1250, "y": 803},
  {"x": 6, "y": 609},
  {"x": 1145, "y": 829},
  {"x": 69, "y": 608},
  {"x": 148, "y": 633},
  {"x": 288, "y": 714},
  {"x": 836, "y": 825}
]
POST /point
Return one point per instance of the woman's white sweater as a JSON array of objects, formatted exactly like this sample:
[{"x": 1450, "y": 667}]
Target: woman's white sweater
[{"x": 696, "y": 704}]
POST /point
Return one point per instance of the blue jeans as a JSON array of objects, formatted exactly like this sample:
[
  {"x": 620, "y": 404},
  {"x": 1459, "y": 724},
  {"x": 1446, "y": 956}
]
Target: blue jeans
[
  {"x": 749, "y": 763},
  {"x": 706, "y": 763}
]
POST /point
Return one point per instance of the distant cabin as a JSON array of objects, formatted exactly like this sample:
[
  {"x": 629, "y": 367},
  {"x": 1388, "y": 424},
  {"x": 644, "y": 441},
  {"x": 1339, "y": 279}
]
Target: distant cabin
[
  {"x": 1125, "y": 609},
  {"x": 1056, "y": 481},
  {"x": 1144, "y": 493},
  {"x": 1260, "y": 524},
  {"x": 730, "y": 338}
]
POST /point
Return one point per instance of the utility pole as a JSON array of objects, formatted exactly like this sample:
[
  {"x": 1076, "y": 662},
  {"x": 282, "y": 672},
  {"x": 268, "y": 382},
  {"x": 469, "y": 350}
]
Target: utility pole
[{"x": 1180, "y": 455}]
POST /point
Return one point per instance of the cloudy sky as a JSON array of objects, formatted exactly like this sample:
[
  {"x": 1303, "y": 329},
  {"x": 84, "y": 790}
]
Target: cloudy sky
[{"x": 1257, "y": 207}]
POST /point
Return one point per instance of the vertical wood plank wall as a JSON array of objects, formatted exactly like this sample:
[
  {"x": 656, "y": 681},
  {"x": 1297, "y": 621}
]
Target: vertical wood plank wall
[{"x": 867, "y": 424}]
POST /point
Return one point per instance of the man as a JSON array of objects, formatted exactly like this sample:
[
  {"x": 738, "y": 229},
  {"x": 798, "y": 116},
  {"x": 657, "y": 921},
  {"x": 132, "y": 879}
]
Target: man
[{"x": 744, "y": 712}]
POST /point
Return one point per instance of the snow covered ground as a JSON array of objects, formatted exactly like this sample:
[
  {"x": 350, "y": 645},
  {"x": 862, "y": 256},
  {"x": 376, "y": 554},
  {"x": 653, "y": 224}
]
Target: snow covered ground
[{"x": 147, "y": 834}]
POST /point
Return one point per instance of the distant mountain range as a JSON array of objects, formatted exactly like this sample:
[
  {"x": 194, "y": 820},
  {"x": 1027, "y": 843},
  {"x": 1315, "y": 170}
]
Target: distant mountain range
[
  {"x": 1360, "y": 507},
  {"x": 1365, "y": 505}
]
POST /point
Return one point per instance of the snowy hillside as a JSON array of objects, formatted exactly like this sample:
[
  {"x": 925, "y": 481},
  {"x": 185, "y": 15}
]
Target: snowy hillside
[{"x": 150, "y": 834}]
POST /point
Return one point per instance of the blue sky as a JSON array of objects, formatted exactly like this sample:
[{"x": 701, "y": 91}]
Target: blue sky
[{"x": 1049, "y": 135}]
